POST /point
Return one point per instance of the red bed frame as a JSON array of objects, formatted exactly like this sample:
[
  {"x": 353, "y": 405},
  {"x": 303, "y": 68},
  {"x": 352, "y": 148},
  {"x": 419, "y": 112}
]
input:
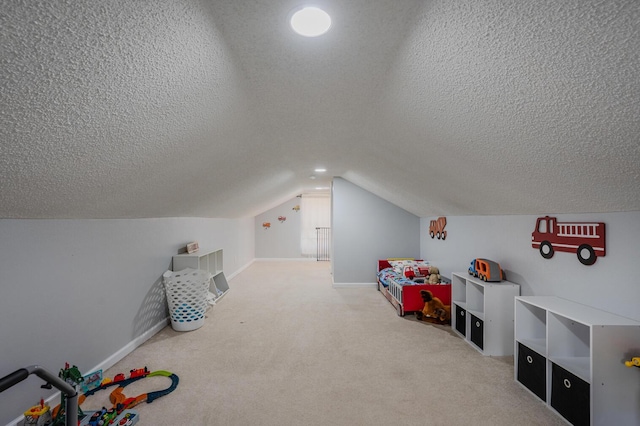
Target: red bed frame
[{"x": 410, "y": 300}]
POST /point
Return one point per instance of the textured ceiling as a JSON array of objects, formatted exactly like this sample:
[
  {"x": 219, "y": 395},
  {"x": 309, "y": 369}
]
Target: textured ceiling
[{"x": 158, "y": 108}]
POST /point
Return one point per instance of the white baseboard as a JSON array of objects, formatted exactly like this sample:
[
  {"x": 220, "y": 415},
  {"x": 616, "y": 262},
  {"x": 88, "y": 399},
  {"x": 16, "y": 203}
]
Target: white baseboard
[
  {"x": 270, "y": 259},
  {"x": 285, "y": 259},
  {"x": 54, "y": 399},
  {"x": 354, "y": 285},
  {"x": 131, "y": 346},
  {"x": 240, "y": 270}
]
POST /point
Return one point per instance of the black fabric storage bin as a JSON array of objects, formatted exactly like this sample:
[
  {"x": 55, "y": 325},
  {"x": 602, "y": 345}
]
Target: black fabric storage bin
[
  {"x": 477, "y": 331},
  {"x": 532, "y": 371},
  {"x": 570, "y": 396},
  {"x": 461, "y": 318}
]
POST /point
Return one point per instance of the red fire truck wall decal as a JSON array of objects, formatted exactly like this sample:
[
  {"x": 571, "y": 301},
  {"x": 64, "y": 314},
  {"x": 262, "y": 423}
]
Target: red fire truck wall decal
[
  {"x": 586, "y": 239},
  {"x": 282, "y": 218}
]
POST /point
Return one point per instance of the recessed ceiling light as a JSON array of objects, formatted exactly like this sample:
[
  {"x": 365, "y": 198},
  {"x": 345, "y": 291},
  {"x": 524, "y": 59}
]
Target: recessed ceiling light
[
  {"x": 310, "y": 21},
  {"x": 320, "y": 170}
]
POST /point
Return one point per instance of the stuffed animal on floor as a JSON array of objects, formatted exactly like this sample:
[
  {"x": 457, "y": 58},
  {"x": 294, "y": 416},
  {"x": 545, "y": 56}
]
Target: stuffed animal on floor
[
  {"x": 434, "y": 310},
  {"x": 434, "y": 275}
]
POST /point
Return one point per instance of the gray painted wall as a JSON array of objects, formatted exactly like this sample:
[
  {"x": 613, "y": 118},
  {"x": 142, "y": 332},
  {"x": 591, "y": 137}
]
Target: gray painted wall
[
  {"x": 367, "y": 228},
  {"x": 611, "y": 284},
  {"x": 282, "y": 240},
  {"x": 80, "y": 291},
  {"x": 61, "y": 281}
]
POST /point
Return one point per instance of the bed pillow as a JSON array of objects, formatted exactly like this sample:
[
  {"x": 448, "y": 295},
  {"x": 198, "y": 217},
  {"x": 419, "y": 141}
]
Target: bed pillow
[{"x": 399, "y": 265}]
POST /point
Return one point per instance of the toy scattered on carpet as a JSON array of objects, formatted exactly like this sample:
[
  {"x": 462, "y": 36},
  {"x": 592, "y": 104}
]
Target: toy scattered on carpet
[
  {"x": 119, "y": 414},
  {"x": 72, "y": 376},
  {"x": 111, "y": 417},
  {"x": 434, "y": 310},
  {"x": 38, "y": 415}
]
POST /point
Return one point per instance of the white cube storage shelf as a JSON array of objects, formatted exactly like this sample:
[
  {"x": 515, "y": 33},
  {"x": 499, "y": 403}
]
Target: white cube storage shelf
[
  {"x": 210, "y": 261},
  {"x": 482, "y": 313},
  {"x": 571, "y": 356}
]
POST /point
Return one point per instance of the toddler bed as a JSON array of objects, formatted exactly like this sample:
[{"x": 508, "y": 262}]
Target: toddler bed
[{"x": 404, "y": 293}]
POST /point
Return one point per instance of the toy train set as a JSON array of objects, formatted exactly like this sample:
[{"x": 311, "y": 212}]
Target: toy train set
[{"x": 70, "y": 381}]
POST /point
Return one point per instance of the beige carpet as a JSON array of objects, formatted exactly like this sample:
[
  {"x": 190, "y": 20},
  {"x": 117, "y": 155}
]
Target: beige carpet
[{"x": 285, "y": 348}]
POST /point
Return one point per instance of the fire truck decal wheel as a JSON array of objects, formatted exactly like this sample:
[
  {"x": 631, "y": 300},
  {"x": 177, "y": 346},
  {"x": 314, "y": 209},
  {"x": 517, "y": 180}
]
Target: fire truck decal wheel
[
  {"x": 431, "y": 234},
  {"x": 444, "y": 235},
  {"x": 546, "y": 249},
  {"x": 586, "y": 254}
]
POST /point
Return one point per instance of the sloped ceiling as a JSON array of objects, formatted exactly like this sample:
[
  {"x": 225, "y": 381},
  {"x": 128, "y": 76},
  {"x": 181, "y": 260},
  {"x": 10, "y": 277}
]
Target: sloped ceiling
[{"x": 125, "y": 109}]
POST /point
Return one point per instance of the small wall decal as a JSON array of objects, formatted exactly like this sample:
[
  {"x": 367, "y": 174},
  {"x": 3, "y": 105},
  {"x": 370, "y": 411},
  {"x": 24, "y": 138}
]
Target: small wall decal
[
  {"x": 266, "y": 225},
  {"x": 436, "y": 228},
  {"x": 586, "y": 239},
  {"x": 296, "y": 208},
  {"x": 282, "y": 218}
]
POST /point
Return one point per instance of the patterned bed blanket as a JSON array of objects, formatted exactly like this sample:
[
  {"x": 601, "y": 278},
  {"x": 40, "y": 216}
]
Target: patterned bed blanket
[{"x": 387, "y": 274}]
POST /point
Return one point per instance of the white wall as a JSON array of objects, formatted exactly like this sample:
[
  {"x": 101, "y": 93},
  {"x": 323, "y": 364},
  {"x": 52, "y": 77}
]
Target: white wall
[
  {"x": 611, "y": 284},
  {"x": 366, "y": 228},
  {"x": 81, "y": 291},
  {"x": 282, "y": 239}
]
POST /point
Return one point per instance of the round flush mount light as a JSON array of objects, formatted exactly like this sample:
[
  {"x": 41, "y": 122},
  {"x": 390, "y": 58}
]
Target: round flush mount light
[{"x": 310, "y": 21}]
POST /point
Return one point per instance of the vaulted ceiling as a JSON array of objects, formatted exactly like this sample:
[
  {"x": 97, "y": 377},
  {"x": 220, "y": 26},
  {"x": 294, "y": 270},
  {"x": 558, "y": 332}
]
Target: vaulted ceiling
[{"x": 123, "y": 109}]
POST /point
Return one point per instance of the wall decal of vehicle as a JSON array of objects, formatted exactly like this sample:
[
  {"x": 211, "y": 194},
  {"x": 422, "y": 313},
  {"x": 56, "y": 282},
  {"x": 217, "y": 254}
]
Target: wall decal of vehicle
[
  {"x": 586, "y": 239},
  {"x": 436, "y": 228}
]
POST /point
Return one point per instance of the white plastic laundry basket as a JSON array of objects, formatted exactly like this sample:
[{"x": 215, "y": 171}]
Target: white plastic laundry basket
[{"x": 187, "y": 292}]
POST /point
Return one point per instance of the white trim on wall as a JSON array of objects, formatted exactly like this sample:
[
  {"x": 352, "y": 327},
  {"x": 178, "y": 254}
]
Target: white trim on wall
[{"x": 354, "y": 285}]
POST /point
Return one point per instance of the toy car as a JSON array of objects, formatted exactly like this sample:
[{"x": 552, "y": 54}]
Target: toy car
[{"x": 486, "y": 270}]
